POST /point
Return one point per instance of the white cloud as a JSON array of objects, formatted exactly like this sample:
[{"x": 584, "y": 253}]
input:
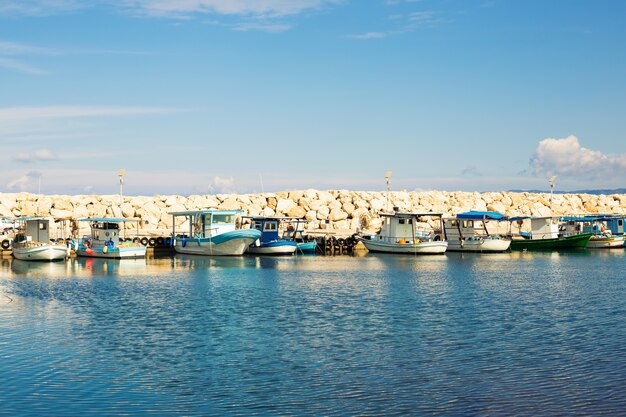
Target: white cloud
[
  {"x": 39, "y": 7},
  {"x": 567, "y": 158},
  {"x": 222, "y": 185},
  {"x": 21, "y": 114},
  {"x": 368, "y": 35},
  {"x": 421, "y": 17},
  {"x": 16, "y": 65},
  {"x": 263, "y": 27},
  {"x": 167, "y": 8},
  {"x": 170, "y": 8},
  {"x": 37, "y": 156},
  {"x": 28, "y": 124},
  {"x": 24, "y": 182}
]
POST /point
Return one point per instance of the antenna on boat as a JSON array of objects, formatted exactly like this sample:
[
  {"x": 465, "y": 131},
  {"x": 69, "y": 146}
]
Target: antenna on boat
[
  {"x": 551, "y": 181},
  {"x": 388, "y": 181}
]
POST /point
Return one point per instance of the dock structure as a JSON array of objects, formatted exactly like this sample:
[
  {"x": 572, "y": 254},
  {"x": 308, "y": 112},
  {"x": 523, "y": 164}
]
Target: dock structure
[{"x": 329, "y": 242}]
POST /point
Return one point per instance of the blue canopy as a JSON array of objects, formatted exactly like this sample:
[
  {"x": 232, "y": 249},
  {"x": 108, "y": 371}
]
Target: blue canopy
[
  {"x": 106, "y": 220},
  {"x": 480, "y": 215}
]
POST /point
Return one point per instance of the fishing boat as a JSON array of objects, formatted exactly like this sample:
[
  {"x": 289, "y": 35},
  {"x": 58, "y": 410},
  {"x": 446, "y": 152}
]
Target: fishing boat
[
  {"x": 32, "y": 241},
  {"x": 607, "y": 229},
  {"x": 211, "y": 232},
  {"x": 295, "y": 231},
  {"x": 270, "y": 243},
  {"x": 468, "y": 232},
  {"x": 8, "y": 227},
  {"x": 407, "y": 233},
  {"x": 106, "y": 240},
  {"x": 546, "y": 233}
]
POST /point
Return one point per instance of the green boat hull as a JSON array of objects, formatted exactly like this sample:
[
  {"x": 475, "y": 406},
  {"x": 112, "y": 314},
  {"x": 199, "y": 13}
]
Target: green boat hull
[{"x": 566, "y": 242}]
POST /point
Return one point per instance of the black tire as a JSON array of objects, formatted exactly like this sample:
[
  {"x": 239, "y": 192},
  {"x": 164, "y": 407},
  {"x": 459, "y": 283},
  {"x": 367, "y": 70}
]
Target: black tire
[
  {"x": 136, "y": 240},
  {"x": 144, "y": 241},
  {"x": 160, "y": 241},
  {"x": 6, "y": 244},
  {"x": 151, "y": 242}
]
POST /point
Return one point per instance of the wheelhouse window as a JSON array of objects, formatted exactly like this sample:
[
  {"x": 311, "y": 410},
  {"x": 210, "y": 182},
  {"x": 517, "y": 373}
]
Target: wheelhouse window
[
  {"x": 271, "y": 226},
  {"x": 223, "y": 218}
]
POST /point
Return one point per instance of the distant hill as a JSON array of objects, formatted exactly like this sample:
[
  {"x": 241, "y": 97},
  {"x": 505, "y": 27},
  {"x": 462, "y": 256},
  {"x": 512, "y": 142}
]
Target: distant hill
[{"x": 596, "y": 192}]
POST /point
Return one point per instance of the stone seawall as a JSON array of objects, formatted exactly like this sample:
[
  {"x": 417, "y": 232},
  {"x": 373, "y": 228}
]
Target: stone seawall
[{"x": 338, "y": 209}]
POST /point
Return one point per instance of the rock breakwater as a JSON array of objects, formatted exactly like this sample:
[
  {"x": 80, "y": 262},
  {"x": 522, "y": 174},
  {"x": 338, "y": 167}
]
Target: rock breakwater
[{"x": 337, "y": 209}]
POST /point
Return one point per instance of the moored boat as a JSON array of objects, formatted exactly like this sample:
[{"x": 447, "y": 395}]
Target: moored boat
[
  {"x": 607, "y": 229},
  {"x": 295, "y": 231},
  {"x": 32, "y": 241},
  {"x": 211, "y": 232},
  {"x": 546, "y": 234},
  {"x": 270, "y": 243},
  {"x": 407, "y": 233},
  {"x": 105, "y": 240},
  {"x": 468, "y": 232}
]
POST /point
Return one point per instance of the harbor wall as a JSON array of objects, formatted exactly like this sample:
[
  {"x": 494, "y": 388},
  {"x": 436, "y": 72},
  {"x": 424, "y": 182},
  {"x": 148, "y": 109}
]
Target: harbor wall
[{"x": 339, "y": 210}]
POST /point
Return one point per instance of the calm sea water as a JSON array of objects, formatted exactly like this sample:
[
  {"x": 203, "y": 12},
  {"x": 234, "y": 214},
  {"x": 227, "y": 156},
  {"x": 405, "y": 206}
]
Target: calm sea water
[{"x": 459, "y": 334}]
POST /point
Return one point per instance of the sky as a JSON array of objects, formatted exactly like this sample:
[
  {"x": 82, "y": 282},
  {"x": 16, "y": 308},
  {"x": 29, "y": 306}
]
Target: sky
[{"x": 248, "y": 96}]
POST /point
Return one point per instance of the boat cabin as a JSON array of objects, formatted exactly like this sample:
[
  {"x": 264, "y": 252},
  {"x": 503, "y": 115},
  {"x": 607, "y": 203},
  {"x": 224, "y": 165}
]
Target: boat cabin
[
  {"x": 471, "y": 224},
  {"x": 542, "y": 227},
  {"x": 33, "y": 229},
  {"x": 595, "y": 223},
  {"x": 403, "y": 228},
  {"x": 205, "y": 223},
  {"x": 268, "y": 226},
  {"x": 105, "y": 230}
]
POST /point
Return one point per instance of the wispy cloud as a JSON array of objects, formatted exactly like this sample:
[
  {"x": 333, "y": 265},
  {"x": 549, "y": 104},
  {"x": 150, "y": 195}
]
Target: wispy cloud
[
  {"x": 19, "y": 66},
  {"x": 221, "y": 185},
  {"x": 19, "y": 124},
  {"x": 471, "y": 171},
  {"x": 263, "y": 27},
  {"x": 40, "y": 7},
  {"x": 567, "y": 158},
  {"x": 368, "y": 35},
  {"x": 20, "y": 114},
  {"x": 401, "y": 23},
  {"x": 24, "y": 182},
  {"x": 13, "y": 55},
  {"x": 36, "y": 156},
  {"x": 175, "y": 8},
  {"x": 168, "y": 8}
]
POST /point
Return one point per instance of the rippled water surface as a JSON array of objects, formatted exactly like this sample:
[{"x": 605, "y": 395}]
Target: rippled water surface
[{"x": 506, "y": 334}]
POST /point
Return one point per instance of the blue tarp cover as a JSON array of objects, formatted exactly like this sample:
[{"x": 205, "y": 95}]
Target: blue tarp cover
[
  {"x": 479, "y": 215},
  {"x": 107, "y": 220}
]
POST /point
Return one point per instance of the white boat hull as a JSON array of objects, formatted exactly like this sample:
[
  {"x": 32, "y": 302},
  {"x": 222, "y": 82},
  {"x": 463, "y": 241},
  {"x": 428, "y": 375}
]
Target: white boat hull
[
  {"x": 422, "y": 248},
  {"x": 40, "y": 252},
  {"x": 273, "y": 250},
  {"x": 479, "y": 245},
  {"x": 606, "y": 242},
  {"x": 230, "y": 247}
]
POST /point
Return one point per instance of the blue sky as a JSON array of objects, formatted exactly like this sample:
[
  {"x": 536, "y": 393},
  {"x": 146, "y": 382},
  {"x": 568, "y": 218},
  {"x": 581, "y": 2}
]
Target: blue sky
[{"x": 197, "y": 96}]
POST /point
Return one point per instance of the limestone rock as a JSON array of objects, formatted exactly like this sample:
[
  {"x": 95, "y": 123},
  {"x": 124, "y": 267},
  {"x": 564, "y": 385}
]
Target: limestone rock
[
  {"x": 297, "y": 211},
  {"x": 284, "y": 205},
  {"x": 337, "y": 214}
]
